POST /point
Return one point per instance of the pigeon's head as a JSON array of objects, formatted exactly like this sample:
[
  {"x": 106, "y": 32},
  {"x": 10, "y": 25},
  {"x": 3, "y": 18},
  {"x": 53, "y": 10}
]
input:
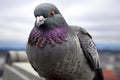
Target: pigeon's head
[
  {"x": 47, "y": 15},
  {"x": 50, "y": 26}
]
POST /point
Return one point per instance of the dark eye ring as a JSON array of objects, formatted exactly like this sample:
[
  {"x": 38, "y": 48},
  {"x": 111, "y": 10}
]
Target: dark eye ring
[{"x": 52, "y": 13}]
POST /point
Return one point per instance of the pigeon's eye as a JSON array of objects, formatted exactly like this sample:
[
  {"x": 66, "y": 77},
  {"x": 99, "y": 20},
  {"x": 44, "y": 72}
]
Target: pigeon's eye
[{"x": 52, "y": 13}]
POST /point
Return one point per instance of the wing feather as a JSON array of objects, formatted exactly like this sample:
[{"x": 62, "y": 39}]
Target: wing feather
[{"x": 90, "y": 51}]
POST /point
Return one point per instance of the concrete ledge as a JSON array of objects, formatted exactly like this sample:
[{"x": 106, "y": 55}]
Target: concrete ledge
[
  {"x": 11, "y": 74},
  {"x": 20, "y": 71},
  {"x": 16, "y": 56}
]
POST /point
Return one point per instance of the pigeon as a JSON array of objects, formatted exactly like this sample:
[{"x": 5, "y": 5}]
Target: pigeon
[{"x": 58, "y": 51}]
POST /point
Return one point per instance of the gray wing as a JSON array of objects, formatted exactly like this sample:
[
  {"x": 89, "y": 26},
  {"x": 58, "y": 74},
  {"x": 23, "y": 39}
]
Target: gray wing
[
  {"x": 89, "y": 48},
  {"x": 90, "y": 51}
]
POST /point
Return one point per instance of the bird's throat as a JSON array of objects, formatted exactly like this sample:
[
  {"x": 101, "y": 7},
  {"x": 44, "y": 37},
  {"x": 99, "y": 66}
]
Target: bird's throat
[{"x": 40, "y": 37}]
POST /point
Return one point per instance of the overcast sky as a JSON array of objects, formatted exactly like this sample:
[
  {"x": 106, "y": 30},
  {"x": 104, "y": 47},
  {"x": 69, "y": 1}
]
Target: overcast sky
[{"x": 101, "y": 18}]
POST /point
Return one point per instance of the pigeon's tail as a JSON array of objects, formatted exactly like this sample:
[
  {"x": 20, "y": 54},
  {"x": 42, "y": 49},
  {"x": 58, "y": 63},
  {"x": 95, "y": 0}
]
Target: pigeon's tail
[{"x": 99, "y": 74}]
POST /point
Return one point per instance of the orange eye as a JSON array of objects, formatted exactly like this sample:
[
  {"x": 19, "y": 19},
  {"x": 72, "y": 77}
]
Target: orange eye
[{"x": 52, "y": 13}]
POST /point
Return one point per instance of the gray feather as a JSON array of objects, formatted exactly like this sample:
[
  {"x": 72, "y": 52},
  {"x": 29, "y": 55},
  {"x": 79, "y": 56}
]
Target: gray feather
[
  {"x": 66, "y": 59},
  {"x": 90, "y": 51}
]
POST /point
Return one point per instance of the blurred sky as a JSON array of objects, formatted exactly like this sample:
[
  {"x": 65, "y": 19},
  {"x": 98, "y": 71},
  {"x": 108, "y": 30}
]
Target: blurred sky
[{"x": 101, "y": 18}]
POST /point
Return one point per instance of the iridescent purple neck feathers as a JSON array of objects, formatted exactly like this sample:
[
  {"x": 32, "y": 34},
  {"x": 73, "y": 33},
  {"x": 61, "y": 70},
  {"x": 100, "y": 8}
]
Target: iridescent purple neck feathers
[{"x": 40, "y": 37}]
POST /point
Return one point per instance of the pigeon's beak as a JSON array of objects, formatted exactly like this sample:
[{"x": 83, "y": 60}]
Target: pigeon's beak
[{"x": 40, "y": 20}]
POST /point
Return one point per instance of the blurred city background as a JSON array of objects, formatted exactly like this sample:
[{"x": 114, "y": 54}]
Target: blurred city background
[{"x": 101, "y": 18}]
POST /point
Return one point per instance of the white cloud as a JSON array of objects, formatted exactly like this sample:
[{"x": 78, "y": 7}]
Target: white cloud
[{"x": 99, "y": 17}]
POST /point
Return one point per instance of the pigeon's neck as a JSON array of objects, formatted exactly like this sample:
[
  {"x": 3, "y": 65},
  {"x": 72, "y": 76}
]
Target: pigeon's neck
[{"x": 40, "y": 37}]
